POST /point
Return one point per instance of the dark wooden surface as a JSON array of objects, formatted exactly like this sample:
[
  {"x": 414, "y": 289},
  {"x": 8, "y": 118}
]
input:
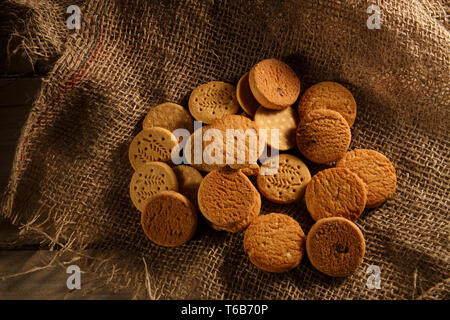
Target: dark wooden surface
[{"x": 22, "y": 266}]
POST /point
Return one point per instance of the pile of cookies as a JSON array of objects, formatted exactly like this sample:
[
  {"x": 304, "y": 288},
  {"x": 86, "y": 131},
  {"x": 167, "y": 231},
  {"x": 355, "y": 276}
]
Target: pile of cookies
[{"x": 169, "y": 196}]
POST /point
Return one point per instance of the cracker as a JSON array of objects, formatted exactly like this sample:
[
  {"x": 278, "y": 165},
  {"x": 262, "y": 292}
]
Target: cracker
[
  {"x": 274, "y": 242},
  {"x": 245, "y": 96},
  {"x": 169, "y": 219},
  {"x": 170, "y": 116},
  {"x": 335, "y": 246},
  {"x": 212, "y": 101},
  {"x": 154, "y": 144},
  {"x": 323, "y": 136},
  {"x": 274, "y": 84},
  {"x": 286, "y": 121},
  {"x": 189, "y": 180},
  {"x": 328, "y": 95},
  {"x": 335, "y": 192},
  {"x": 288, "y": 184},
  {"x": 375, "y": 170},
  {"x": 150, "y": 179}
]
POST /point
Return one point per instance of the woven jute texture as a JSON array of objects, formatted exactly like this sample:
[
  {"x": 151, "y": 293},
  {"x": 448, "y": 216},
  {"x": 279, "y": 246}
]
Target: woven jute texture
[{"x": 70, "y": 177}]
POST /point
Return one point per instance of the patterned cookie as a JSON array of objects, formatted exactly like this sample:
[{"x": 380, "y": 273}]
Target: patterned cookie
[
  {"x": 169, "y": 219},
  {"x": 190, "y": 151},
  {"x": 274, "y": 84},
  {"x": 154, "y": 144},
  {"x": 274, "y": 242},
  {"x": 336, "y": 192},
  {"x": 226, "y": 197},
  {"x": 288, "y": 184},
  {"x": 335, "y": 246},
  {"x": 150, "y": 179},
  {"x": 323, "y": 136},
  {"x": 375, "y": 170},
  {"x": 212, "y": 101},
  {"x": 251, "y": 148},
  {"x": 170, "y": 116},
  {"x": 189, "y": 180},
  {"x": 241, "y": 225},
  {"x": 245, "y": 96},
  {"x": 328, "y": 95},
  {"x": 286, "y": 121}
]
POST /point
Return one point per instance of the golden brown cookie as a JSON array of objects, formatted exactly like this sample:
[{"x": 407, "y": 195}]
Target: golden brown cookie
[
  {"x": 288, "y": 184},
  {"x": 150, "y": 179},
  {"x": 226, "y": 197},
  {"x": 189, "y": 180},
  {"x": 169, "y": 219},
  {"x": 154, "y": 144},
  {"x": 274, "y": 242},
  {"x": 170, "y": 116},
  {"x": 212, "y": 101},
  {"x": 195, "y": 155},
  {"x": 375, "y": 170},
  {"x": 286, "y": 121},
  {"x": 335, "y": 246},
  {"x": 328, "y": 95},
  {"x": 323, "y": 136},
  {"x": 241, "y": 225},
  {"x": 336, "y": 192},
  {"x": 274, "y": 84},
  {"x": 245, "y": 96},
  {"x": 243, "y": 134},
  {"x": 251, "y": 170}
]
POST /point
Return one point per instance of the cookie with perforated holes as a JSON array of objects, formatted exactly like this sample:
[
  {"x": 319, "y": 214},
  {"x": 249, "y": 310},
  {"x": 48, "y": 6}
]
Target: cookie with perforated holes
[
  {"x": 153, "y": 144},
  {"x": 287, "y": 184}
]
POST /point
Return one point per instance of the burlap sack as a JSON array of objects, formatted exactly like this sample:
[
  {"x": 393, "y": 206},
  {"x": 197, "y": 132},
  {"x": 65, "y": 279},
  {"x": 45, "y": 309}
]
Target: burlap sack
[{"x": 69, "y": 184}]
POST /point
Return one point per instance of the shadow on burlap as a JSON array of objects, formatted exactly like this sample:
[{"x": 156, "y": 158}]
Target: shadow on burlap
[{"x": 70, "y": 178}]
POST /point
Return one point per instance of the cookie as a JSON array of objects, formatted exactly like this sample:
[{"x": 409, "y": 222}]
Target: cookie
[
  {"x": 274, "y": 84},
  {"x": 286, "y": 121},
  {"x": 335, "y": 246},
  {"x": 246, "y": 148},
  {"x": 245, "y": 96},
  {"x": 226, "y": 197},
  {"x": 288, "y": 184},
  {"x": 323, "y": 136},
  {"x": 241, "y": 225},
  {"x": 169, "y": 219},
  {"x": 189, "y": 180},
  {"x": 154, "y": 144},
  {"x": 335, "y": 192},
  {"x": 375, "y": 170},
  {"x": 150, "y": 179},
  {"x": 252, "y": 170},
  {"x": 274, "y": 242},
  {"x": 328, "y": 95},
  {"x": 194, "y": 155},
  {"x": 212, "y": 101},
  {"x": 170, "y": 116}
]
